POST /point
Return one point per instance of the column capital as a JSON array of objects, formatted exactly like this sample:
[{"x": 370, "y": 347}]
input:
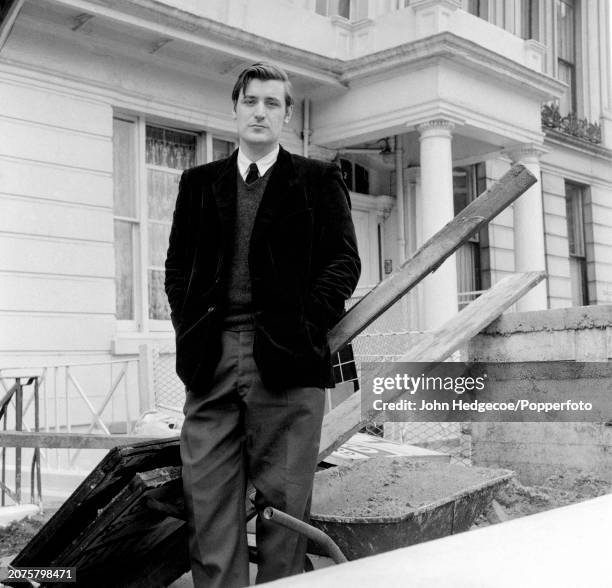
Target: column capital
[
  {"x": 525, "y": 153},
  {"x": 437, "y": 127}
]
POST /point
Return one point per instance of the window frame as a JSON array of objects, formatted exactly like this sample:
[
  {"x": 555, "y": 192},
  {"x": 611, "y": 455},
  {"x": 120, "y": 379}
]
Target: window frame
[
  {"x": 559, "y": 60},
  {"x": 577, "y": 231},
  {"x": 133, "y": 324},
  {"x": 141, "y": 321}
]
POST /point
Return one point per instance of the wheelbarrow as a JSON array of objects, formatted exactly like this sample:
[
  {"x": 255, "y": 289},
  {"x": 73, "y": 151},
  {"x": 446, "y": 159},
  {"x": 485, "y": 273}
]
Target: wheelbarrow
[{"x": 355, "y": 536}]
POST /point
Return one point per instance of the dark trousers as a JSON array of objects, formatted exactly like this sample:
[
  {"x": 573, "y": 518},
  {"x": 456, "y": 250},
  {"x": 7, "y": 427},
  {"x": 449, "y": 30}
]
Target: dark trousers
[{"x": 239, "y": 430}]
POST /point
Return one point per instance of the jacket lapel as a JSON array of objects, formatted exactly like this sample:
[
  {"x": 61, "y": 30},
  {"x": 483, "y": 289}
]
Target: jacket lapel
[
  {"x": 283, "y": 196},
  {"x": 224, "y": 192}
]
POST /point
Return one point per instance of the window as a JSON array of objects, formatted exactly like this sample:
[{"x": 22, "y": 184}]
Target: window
[
  {"x": 362, "y": 179},
  {"x": 566, "y": 52},
  {"x": 148, "y": 163},
  {"x": 333, "y": 8},
  {"x": 167, "y": 154},
  {"x": 400, "y": 4},
  {"x": 126, "y": 223},
  {"x": 479, "y": 8},
  {"x": 574, "y": 207},
  {"x": 530, "y": 19},
  {"x": 355, "y": 176},
  {"x": 468, "y": 184}
]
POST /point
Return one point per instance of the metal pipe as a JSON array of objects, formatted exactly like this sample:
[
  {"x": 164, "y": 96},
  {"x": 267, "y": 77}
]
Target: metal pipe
[
  {"x": 315, "y": 535},
  {"x": 18, "y": 427},
  {"x": 399, "y": 193}
]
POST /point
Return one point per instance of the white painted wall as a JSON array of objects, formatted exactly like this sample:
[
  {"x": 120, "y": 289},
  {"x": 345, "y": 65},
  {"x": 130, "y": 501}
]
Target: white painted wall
[{"x": 56, "y": 230}]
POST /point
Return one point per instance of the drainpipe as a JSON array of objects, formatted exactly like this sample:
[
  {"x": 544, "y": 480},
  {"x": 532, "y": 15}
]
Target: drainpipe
[
  {"x": 399, "y": 191},
  {"x": 306, "y": 132}
]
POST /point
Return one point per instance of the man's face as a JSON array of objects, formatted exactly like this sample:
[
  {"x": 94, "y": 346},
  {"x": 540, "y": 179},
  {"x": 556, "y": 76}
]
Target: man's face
[{"x": 260, "y": 114}]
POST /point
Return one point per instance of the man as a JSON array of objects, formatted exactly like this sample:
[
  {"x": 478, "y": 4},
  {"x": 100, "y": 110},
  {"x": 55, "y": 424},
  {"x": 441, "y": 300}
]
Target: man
[{"x": 262, "y": 257}]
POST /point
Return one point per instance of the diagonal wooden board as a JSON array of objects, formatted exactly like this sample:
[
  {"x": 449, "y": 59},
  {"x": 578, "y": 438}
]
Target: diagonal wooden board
[{"x": 346, "y": 419}]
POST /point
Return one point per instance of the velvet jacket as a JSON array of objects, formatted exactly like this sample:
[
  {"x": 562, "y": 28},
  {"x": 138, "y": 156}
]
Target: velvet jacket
[{"x": 303, "y": 264}]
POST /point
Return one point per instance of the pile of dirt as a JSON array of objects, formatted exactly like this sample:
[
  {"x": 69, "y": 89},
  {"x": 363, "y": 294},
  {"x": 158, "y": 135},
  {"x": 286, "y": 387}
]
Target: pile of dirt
[
  {"x": 391, "y": 487},
  {"x": 517, "y": 500}
]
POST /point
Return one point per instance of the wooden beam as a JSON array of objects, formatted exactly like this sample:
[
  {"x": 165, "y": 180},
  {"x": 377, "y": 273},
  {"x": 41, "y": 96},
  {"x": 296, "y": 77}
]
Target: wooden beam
[
  {"x": 346, "y": 419},
  {"x": 68, "y": 440},
  {"x": 9, "y": 9},
  {"x": 431, "y": 255}
]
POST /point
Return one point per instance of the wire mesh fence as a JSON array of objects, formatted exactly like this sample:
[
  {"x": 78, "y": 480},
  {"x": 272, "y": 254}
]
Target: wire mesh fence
[
  {"x": 169, "y": 390},
  {"x": 387, "y": 339}
]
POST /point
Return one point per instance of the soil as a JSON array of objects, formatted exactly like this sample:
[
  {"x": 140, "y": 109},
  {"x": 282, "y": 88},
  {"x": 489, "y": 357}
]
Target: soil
[
  {"x": 15, "y": 536},
  {"x": 517, "y": 500},
  {"x": 391, "y": 487}
]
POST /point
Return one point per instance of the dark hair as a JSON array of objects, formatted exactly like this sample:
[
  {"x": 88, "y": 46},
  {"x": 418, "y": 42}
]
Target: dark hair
[{"x": 261, "y": 71}]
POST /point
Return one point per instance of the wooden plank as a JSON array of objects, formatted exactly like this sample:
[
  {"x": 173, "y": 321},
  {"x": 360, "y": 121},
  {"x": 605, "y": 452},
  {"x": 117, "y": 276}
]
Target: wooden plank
[
  {"x": 346, "y": 419},
  {"x": 431, "y": 255},
  {"x": 68, "y": 440},
  {"x": 9, "y": 9}
]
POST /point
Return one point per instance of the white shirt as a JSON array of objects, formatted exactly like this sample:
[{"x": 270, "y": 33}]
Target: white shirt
[{"x": 263, "y": 164}]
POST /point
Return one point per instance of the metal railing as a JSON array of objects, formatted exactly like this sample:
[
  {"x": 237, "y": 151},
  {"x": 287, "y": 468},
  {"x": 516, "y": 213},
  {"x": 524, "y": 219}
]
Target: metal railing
[
  {"x": 88, "y": 397},
  {"x": 14, "y": 398}
]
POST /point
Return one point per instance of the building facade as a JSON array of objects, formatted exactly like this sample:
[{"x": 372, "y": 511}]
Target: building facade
[{"x": 423, "y": 103}]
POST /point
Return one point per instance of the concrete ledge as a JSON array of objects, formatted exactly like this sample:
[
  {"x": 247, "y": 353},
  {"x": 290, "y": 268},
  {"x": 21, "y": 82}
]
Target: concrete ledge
[{"x": 560, "y": 319}]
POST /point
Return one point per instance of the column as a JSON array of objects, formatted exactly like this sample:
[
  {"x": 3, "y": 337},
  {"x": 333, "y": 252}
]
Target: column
[
  {"x": 529, "y": 246},
  {"x": 439, "y": 288}
]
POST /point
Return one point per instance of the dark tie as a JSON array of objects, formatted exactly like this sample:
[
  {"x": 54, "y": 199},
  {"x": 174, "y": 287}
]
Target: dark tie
[{"x": 253, "y": 173}]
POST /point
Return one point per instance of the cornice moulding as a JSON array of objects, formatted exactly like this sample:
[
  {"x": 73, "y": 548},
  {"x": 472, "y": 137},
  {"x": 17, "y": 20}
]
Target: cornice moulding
[{"x": 173, "y": 23}]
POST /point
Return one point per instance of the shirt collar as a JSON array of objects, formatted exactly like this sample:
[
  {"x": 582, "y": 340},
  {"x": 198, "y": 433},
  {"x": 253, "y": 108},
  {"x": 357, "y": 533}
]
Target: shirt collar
[{"x": 263, "y": 164}]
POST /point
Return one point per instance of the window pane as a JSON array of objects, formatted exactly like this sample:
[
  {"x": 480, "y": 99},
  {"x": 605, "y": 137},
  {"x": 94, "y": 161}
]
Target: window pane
[
  {"x": 566, "y": 74},
  {"x": 159, "y": 234},
  {"x": 530, "y": 19},
  {"x": 169, "y": 148},
  {"x": 124, "y": 270},
  {"x": 575, "y": 222},
  {"x": 362, "y": 179},
  {"x": 468, "y": 268},
  {"x": 344, "y": 8},
  {"x": 158, "y": 303},
  {"x": 565, "y": 30},
  {"x": 162, "y": 191},
  {"x": 124, "y": 168},
  {"x": 460, "y": 189},
  {"x": 222, "y": 149},
  {"x": 173, "y": 150}
]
